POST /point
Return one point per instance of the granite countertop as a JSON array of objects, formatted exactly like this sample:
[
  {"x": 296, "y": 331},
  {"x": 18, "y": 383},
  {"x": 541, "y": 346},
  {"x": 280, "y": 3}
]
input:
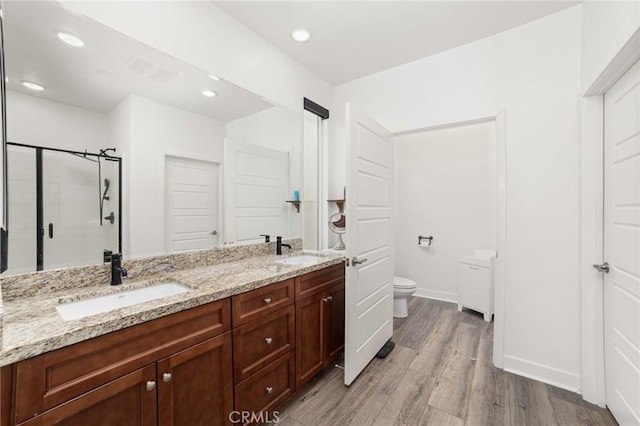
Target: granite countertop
[{"x": 32, "y": 325}]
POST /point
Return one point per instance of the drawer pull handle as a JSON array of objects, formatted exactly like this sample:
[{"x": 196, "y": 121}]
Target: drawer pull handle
[
  {"x": 267, "y": 300},
  {"x": 166, "y": 377},
  {"x": 268, "y": 340},
  {"x": 151, "y": 385},
  {"x": 473, "y": 267},
  {"x": 269, "y": 389}
]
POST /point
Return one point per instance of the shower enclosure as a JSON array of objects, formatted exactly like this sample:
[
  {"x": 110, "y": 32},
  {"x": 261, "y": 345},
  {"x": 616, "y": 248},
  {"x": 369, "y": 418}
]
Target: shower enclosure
[{"x": 65, "y": 207}]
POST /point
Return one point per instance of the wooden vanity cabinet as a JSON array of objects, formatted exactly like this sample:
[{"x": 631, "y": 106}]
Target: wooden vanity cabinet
[
  {"x": 247, "y": 353},
  {"x": 319, "y": 321},
  {"x": 180, "y": 365}
]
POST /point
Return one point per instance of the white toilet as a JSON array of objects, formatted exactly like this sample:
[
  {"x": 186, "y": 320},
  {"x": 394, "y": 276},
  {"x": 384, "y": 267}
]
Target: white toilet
[{"x": 402, "y": 288}]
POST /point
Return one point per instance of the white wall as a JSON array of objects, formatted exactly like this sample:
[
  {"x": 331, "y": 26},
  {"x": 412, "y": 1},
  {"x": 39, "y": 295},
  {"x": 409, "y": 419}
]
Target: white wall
[
  {"x": 148, "y": 132},
  {"x": 606, "y": 27},
  {"x": 36, "y": 121},
  {"x": 444, "y": 185},
  {"x": 532, "y": 73},
  {"x": 200, "y": 33}
]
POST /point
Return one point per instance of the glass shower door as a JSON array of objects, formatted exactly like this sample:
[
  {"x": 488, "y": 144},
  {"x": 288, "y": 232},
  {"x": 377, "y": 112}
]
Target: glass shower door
[{"x": 71, "y": 214}]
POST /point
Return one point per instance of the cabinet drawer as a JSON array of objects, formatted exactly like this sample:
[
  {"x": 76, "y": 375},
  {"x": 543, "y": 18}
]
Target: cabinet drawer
[
  {"x": 316, "y": 281},
  {"x": 267, "y": 389},
  {"x": 262, "y": 341},
  {"x": 253, "y": 304},
  {"x": 52, "y": 378}
]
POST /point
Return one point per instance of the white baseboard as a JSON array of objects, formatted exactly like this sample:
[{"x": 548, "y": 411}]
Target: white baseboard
[
  {"x": 542, "y": 373},
  {"x": 437, "y": 295}
]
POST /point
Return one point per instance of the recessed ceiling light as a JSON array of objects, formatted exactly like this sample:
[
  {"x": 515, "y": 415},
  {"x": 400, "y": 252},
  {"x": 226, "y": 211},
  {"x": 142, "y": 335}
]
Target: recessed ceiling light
[
  {"x": 70, "y": 39},
  {"x": 209, "y": 93},
  {"x": 33, "y": 86},
  {"x": 214, "y": 77},
  {"x": 301, "y": 35}
]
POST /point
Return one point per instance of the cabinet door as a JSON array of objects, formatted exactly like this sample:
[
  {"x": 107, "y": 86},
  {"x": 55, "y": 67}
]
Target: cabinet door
[
  {"x": 127, "y": 401},
  {"x": 475, "y": 292},
  {"x": 333, "y": 304},
  {"x": 309, "y": 338},
  {"x": 195, "y": 385}
]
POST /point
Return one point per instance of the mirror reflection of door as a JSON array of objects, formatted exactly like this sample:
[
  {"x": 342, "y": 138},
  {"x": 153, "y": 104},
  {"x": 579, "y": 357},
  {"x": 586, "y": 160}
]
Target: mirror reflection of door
[
  {"x": 256, "y": 182},
  {"x": 191, "y": 197}
]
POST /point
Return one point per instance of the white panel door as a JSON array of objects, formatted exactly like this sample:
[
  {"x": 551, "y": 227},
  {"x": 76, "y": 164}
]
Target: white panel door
[
  {"x": 191, "y": 217},
  {"x": 622, "y": 247},
  {"x": 256, "y": 188},
  {"x": 369, "y": 285}
]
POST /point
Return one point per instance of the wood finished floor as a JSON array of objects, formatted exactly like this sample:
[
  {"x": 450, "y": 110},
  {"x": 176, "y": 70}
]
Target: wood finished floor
[{"x": 440, "y": 373}]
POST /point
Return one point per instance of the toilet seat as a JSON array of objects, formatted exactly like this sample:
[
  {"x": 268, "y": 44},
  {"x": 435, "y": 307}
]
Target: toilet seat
[{"x": 401, "y": 282}]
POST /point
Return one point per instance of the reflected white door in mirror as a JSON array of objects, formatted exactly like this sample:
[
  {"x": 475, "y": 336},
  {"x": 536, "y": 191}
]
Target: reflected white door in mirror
[{"x": 191, "y": 209}]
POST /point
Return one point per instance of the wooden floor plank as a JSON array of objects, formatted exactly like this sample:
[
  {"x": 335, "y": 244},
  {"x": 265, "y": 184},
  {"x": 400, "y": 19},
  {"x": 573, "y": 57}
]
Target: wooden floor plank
[
  {"x": 482, "y": 409},
  {"x": 453, "y": 386},
  {"x": 529, "y": 402},
  {"x": 365, "y": 403},
  {"x": 407, "y": 404},
  {"x": 434, "y": 417},
  {"x": 447, "y": 379},
  {"x": 411, "y": 332}
]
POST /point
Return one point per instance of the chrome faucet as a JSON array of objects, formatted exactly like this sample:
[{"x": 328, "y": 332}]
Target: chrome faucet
[
  {"x": 279, "y": 245},
  {"x": 117, "y": 271}
]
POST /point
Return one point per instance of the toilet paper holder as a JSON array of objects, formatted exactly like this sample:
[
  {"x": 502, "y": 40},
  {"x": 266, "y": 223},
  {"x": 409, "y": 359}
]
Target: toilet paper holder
[{"x": 429, "y": 239}]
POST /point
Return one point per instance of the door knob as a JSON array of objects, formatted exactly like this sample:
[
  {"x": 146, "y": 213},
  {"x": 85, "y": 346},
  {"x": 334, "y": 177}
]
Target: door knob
[
  {"x": 166, "y": 377},
  {"x": 602, "y": 268},
  {"x": 357, "y": 261}
]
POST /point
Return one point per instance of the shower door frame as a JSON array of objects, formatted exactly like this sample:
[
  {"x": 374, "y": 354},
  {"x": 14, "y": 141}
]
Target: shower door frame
[{"x": 40, "y": 231}]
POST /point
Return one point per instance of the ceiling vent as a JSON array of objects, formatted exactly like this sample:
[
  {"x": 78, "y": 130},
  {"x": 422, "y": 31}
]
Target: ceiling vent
[{"x": 144, "y": 67}]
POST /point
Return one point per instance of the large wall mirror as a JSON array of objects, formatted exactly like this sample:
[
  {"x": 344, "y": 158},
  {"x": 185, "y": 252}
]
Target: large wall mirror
[{"x": 115, "y": 146}]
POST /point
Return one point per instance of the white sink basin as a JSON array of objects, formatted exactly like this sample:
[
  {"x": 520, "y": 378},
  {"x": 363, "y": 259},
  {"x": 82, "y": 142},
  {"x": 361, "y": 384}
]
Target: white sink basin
[
  {"x": 300, "y": 260},
  {"x": 98, "y": 305}
]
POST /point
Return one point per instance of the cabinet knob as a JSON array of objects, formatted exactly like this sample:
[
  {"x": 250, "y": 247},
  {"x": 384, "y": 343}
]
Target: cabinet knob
[
  {"x": 166, "y": 377},
  {"x": 269, "y": 389},
  {"x": 325, "y": 299},
  {"x": 151, "y": 385},
  {"x": 330, "y": 298},
  {"x": 267, "y": 300},
  {"x": 268, "y": 340}
]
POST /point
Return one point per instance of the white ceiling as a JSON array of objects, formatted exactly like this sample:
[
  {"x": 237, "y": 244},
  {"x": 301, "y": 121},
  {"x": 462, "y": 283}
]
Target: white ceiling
[
  {"x": 100, "y": 75},
  {"x": 358, "y": 38}
]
